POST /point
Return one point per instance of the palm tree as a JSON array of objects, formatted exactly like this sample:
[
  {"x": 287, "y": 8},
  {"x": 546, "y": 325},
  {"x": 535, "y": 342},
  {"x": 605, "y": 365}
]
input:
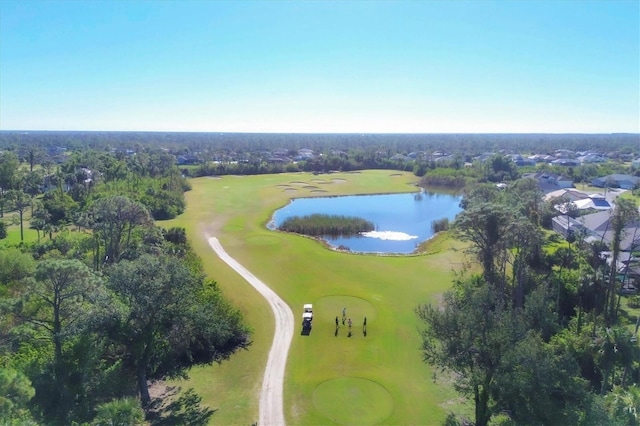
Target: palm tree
[{"x": 624, "y": 404}]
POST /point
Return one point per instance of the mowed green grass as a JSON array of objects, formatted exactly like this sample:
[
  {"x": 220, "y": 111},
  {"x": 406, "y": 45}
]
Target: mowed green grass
[
  {"x": 13, "y": 234},
  {"x": 331, "y": 378}
]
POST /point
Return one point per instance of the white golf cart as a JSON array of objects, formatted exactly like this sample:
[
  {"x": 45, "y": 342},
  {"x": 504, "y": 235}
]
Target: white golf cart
[{"x": 307, "y": 316}]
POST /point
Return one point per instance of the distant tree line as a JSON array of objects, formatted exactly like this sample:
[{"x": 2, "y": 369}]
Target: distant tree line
[
  {"x": 248, "y": 154},
  {"x": 219, "y": 144}
]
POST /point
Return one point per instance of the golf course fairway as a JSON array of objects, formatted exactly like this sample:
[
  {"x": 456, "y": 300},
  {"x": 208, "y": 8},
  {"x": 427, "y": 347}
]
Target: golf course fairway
[{"x": 369, "y": 376}]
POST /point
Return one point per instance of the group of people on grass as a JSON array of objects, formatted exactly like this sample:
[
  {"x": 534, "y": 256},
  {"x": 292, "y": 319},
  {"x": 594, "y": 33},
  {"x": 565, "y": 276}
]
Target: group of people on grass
[{"x": 348, "y": 321}]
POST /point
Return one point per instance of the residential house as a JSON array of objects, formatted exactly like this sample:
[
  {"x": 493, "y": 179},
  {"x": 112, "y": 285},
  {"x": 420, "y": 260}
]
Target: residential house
[
  {"x": 566, "y": 225},
  {"x": 617, "y": 180},
  {"x": 591, "y": 158},
  {"x": 549, "y": 182},
  {"x": 542, "y": 158},
  {"x": 594, "y": 202},
  {"x": 570, "y": 194},
  {"x": 568, "y": 162},
  {"x": 599, "y": 225},
  {"x": 581, "y": 200}
]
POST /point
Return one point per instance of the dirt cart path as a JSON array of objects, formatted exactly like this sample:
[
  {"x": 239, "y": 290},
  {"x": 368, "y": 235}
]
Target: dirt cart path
[{"x": 271, "y": 405}]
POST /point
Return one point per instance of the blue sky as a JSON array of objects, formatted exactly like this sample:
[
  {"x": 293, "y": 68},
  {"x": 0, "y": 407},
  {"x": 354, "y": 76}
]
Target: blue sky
[{"x": 321, "y": 66}]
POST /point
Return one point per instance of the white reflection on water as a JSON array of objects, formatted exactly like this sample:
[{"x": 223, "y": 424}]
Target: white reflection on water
[{"x": 389, "y": 235}]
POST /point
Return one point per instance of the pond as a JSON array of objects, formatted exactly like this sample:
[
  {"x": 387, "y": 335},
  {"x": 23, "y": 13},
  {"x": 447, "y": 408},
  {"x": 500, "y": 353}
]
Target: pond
[{"x": 402, "y": 221}]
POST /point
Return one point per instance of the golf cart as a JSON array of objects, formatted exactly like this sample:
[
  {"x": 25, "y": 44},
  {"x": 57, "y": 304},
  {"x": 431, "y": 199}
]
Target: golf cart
[{"x": 307, "y": 316}]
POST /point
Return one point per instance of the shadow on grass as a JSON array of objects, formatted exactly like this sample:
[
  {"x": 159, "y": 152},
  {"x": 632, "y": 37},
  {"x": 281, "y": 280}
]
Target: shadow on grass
[{"x": 175, "y": 408}]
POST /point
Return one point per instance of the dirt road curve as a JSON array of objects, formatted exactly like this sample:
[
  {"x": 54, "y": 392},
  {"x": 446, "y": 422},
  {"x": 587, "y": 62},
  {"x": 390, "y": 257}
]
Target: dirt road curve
[{"x": 271, "y": 406}]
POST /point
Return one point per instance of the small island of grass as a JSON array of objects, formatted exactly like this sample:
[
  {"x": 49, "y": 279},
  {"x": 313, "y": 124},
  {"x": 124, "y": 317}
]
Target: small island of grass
[{"x": 324, "y": 224}]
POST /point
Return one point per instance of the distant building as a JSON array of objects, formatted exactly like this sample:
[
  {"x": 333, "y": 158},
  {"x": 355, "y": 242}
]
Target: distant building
[
  {"x": 591, "y": 158},
  {"x": 182, "y": 160},
  {"x": 617, "y": 180},
  {"x": 566, "y": 162}
]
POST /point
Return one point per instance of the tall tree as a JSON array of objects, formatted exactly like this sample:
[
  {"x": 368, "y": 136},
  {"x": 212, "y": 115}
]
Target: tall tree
[
  {"x": 21, "y": 201},
  {"x": 114, "y": 221},
  {"x": 63, "y": 300},
  {"x": 166, "y": 325},
  {"x": 500, "y": 168},
  {"x": 469, "y": 334},
  {"x": 624, "y": 405},
  {"x": 40, "y": 218},
  {"x": 60, "y": 207},
  {"x": 624, "y": 213},
  {"x": 8, "y": 176},
  {"x": 487, "y": 226}
]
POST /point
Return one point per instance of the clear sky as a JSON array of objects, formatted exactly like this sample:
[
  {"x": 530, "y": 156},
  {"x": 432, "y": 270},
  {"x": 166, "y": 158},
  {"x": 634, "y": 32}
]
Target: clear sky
[{"x": 321, "y": 66}]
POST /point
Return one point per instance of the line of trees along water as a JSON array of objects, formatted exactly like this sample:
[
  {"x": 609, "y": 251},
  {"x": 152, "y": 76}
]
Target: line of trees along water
[
  {"x": 105, "y": 301},
  {"x": 537, "y": 336},
  {"x": 322, "y": 224}
]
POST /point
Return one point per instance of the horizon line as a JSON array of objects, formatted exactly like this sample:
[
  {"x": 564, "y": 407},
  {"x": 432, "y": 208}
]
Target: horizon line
[{"x": 310, "y": 133}]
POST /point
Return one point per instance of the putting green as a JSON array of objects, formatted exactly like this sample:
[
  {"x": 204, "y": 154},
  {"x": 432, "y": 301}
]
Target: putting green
[
  {"x": 353, "y": 401},
  {"x": 328, "y": 307}
]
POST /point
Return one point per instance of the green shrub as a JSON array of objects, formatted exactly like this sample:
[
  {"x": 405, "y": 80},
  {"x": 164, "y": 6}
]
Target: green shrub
[{"x": 440, "y": 225}]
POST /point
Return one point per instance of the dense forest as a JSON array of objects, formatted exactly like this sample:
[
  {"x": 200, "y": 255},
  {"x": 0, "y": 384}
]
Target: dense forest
[
  {"x": 105, "y": 302},
  {"x": 537, "y": 332}
]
